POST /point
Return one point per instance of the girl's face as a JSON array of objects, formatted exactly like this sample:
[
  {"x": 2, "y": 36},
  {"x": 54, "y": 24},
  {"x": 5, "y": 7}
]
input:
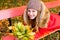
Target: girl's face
[{"x": 32, "y": 13}]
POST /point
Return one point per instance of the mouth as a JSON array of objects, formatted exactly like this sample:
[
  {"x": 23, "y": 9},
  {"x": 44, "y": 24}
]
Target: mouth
[{"x": 32, "y": 17}]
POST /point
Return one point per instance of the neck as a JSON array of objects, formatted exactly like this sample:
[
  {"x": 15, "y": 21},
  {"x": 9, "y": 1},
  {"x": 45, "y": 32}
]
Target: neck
[{"x": 33, "y": 22}]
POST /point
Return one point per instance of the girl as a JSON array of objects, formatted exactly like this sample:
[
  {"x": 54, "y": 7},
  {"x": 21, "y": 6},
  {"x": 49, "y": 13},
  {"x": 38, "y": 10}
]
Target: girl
[{"x": 36, "y": 15}]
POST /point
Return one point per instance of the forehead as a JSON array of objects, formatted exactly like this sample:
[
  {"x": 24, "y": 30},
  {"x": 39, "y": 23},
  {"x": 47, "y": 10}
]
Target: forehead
[{"x": 32, "y": 9}]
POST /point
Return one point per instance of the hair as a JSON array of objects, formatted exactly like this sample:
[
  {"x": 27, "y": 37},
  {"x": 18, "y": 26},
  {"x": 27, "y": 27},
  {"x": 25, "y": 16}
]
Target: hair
[{"x": 41, "y": 19}]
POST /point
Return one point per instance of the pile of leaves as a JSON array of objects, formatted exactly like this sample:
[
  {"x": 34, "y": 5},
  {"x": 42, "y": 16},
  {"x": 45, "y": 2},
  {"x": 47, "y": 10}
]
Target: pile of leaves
[{"x": 22, "y": 32}]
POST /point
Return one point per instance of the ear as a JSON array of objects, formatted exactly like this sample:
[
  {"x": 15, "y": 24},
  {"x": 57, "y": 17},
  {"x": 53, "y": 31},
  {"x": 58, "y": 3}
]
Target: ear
[{"x": 44, "y": 16}]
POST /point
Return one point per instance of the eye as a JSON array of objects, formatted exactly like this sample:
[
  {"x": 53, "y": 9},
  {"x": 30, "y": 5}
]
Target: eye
[
  {"x": 28, "y": 10},
  {"x": 33, "y": 11}
]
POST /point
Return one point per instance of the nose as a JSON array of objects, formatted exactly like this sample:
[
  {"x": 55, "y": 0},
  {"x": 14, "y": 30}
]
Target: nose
[{"x": 31, "y": 13}]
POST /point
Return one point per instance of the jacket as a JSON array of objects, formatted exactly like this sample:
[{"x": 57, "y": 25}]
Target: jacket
[{"x": 53, "y": 26}]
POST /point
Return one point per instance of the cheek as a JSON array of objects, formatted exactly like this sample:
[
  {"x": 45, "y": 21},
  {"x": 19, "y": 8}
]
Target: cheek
[
  {"x": 28, "y": 13},
  {"x": 35, "y": 14}
]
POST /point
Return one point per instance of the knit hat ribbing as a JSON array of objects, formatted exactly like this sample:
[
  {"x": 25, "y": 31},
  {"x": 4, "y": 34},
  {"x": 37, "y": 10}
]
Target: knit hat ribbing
[{"x": 34, "y": 4}]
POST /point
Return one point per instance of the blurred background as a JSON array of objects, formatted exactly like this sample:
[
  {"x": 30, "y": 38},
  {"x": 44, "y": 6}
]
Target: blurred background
[{"x": 6, "y": 4}]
